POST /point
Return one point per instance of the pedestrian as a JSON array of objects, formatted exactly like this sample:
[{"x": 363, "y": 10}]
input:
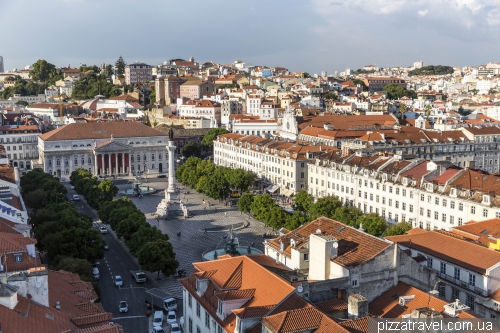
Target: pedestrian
[{"x": 225, "y": 213}]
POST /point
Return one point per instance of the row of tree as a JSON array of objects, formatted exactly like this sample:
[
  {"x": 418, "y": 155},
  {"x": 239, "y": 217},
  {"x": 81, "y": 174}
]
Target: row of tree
[
  {"x": 94, "y": 84},
  {"x": 395, "y": 91},
  {"x": 65, "y": 235},
  {"x": 432, "y": 70},
  {"x": 215, "y": 181},
  {"x": 151, "y": 247},
  {"x": 264, "y": 208},
  {"x": 94, "y": 190}
]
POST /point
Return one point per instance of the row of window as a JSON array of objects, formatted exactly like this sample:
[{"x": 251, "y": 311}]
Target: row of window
[{"x": 198, "y": 314}]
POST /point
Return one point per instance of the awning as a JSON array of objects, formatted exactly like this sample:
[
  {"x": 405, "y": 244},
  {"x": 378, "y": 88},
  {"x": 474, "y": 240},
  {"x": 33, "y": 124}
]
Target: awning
[
  {"x": 272, "y": 188},
  {"x": 287, "y": 193}
]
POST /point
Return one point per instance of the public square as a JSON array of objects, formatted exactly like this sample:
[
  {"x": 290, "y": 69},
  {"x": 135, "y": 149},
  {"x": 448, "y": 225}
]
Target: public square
[{"x": 193, "y": 239}]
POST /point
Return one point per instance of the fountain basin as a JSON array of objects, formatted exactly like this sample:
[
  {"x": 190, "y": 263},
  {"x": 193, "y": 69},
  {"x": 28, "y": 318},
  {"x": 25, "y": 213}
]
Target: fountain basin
[
  {"x": 130, "y": 191},
  {"x": 239, "y": 251}
]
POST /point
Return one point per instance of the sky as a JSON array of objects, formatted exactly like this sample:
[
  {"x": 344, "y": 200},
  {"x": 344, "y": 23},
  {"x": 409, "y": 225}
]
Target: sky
[{"x": 301, "y": 35}]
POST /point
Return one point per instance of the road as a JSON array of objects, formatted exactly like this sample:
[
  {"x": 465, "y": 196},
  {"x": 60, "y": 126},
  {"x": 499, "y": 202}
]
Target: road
[{"x": 117, "y": 261}]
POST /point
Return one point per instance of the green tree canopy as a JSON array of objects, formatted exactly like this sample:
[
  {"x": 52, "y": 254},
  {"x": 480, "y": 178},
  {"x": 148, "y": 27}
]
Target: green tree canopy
[
  {"x": 302, "y": 201},
  {"x": 276, "y": 217},
  {"x": 158, "y": 256},
  {"x": 208, "y": 139},
  {"x": 45, "y": 72},
  {"x": 81, "y": 267},
  {"x": 395, "y": 91},
  {"x": 245, "y": 202},
  {"x": 296, "y": 220},
  {"x": 108, "y": 189},
  {"x": 361, "y": 83},
  {"x": 373, "y": 224},
  {"x": 325, "y": 206},
  {"x": 146, "y": 233},
  {"x": 400, "y": 228},
  {"x": 120, "y": 65},
  {"x": 432, "y": 70},
  {"x": 261, "y": 205},
  {"x": 192, "y": 148}
]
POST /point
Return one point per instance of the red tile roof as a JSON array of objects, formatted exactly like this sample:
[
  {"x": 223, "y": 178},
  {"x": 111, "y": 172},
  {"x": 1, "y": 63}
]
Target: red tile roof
[
  {"x": 101, "y": 130},
  {"x": 452, "y": 249},
  {"x": 387, "y": 305}
]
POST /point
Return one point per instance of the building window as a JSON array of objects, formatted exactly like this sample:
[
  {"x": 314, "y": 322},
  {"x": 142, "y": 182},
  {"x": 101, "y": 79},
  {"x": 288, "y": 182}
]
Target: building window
[
  {"x": 444, "y": 202},
  {"x": 460, "y": 221},
  {"x": 452, "y": 219},
  {"x": 441, "y": 289},
  {"x": 198, "y": 330},
  {"x": 422, "y": 197},
  {"x": 18, "y": 257},
  {"x": 442, "y": 267},
  {"x": 470, "y": 302},
  {"x": 190, "y": 301},
  {"x": 306, "y": 256},
  {"x": 190, "y": 325},
  {"x": 456, "y": 273},
  {"x": 198, "y": 311},
  {"x": 460, "y": 206},
  {"x": 436, "y": 216},
  {"x": 455, "y": 294},
  {"x": 443, "y": 217},
  {"x": 485, "y": 212},
  {"x": 429, "y": 261},
  {"x": 421, "y": 211},
  {"x": 452, "y": 204},
  {"x": 472, "y": 279},
  {"x": 76, "y": 161},
  {"x": 83, "y": 161},
  {"x": 410, "y": 208},
  {"x": 207, "y": 319},
  {"x": 473, "y": 209}
]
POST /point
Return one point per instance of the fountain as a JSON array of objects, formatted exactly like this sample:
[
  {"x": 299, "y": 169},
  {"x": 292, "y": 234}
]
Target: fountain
[
  {"x": 137, "y": 189},
  {"x": 232, "y": 248}
]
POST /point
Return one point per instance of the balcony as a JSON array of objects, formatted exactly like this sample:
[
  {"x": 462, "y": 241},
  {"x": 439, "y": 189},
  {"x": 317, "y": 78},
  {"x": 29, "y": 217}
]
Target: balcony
[{"x": 463, "y": 284}]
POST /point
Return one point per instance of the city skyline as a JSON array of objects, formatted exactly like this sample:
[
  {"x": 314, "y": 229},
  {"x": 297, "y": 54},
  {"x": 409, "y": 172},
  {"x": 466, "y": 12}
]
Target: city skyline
[{"x": 312, "y": 36}]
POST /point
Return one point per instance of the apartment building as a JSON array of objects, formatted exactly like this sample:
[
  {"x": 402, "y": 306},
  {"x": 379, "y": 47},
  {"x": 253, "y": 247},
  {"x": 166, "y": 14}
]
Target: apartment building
[
  {"x": 431, "y": 195},
  {"x": 203, "y": 108},
  {"x": 378, "y": 83},
  {"x": 20, "y": 143},
  {"x": 195, "y": 89},
  {"x": 276, "y": 162},
  {"x": 138, "y": 72},
  {"x": 467, "y": 271}
]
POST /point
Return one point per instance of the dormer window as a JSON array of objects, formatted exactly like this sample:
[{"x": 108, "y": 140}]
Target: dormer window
[
  {"x": 405, "y": 181},
  {"x": 429, "y": 187},
  {"x": 453, "y": 192},
  {"x": 18, "y": 257}
]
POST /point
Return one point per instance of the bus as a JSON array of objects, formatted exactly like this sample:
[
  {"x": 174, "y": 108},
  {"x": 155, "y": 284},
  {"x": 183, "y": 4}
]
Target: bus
[{"x": 234, "y": 193}]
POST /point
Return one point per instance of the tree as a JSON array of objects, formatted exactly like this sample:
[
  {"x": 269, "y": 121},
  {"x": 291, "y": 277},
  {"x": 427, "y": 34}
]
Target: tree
[
  {"x": 324, "y": 207},
  {"x": 294, "y": 221},
  {"x": 218, "y": 185},
  {"x": 45, "y": 72},
  {"x": 474, "y": 91},
  {"x": 427, "y": 110},
  {"x": 395, "y": 91},
  {"x": 432, "y": 70},
  {"x": 120, "y": 65},
  {"x": 373, "y": 224},
  {"x": 261, "y": 206},
  {"x": 81, "y": 267},
  {"x": 276, "y": 217},
  {"x": 146, "y": 233},
  {"x": 24, "y": 103},
  {"x": 211, "y": 135},
  {"x": 158, "y": 256},
  {"x": 306, "y": 75},
  {"x": 191, "y": 149},
  {"x": 331, "y": 95},
  {"x": 361, "y": 83},
  {"x": 348, "y": 215},
  {"x": 245, "y": 202},
  {"x": 36, "y": 199},
  {"x": 108, "y": 189},
  {"x": 128, "y": 226},
  {"x": 302, "y": 201},
  {"x": 400, "y": 228},
  {"x": 403, "y": 108}
]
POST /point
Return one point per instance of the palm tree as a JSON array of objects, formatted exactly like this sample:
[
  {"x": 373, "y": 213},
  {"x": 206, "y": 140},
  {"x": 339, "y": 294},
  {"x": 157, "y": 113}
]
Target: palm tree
[
  {"x": 427, "y": 110},
  {"x": 402, "y": 109}
]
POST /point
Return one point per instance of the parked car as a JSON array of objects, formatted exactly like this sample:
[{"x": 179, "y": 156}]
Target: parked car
[
  {"x": 158, "y": 330},
  {"x": 158, "y": 319},
  {"x": 174, "y": 328},
  {"x": 171, "y": 318},
  {"x": 123, "y": 307},
  {"x": 106, "y": 247},
  {"x": 118, "y": 281},
  {"x": 95, "y": 272},
  {"x": 181, "y": 323},
  {"x": 161, "y": 176},
  {"x": 103, "y": 229},
  {"x": 76, "y": 197}
]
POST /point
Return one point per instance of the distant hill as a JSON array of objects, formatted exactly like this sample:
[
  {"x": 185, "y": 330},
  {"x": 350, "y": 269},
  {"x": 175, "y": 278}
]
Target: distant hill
[{"x": 432, "y": 70}]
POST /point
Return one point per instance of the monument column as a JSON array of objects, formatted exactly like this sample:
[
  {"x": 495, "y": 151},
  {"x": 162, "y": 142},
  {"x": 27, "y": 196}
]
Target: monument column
[
  {"x": 130, "y": 163},
  {"x": 109, "y": 164},
  {"x": 123, "y": 162},
  {"x": 116, "y": 162},
  {"x": 96, "y": 166}
]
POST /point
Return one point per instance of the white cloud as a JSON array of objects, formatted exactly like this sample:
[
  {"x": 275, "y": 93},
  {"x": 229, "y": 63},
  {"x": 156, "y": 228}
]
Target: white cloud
[{"x": 423, "y": 13}]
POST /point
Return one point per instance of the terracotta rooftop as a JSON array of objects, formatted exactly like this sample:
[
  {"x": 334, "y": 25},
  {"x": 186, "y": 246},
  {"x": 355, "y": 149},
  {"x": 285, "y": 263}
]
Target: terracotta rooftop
[
  {"x": 101, "y": 130},
  {"x": 354, "y": 246},
  {"x": 387, "y": 305},
  {"x": 486, "y": 232},
  {"x": 359, "y": 325},
  {"x": 452, "y": 249}
]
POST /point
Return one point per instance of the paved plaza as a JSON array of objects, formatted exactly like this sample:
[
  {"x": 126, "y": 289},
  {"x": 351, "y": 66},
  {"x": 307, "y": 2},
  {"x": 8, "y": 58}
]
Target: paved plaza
[{"x": 193, "y": 241}]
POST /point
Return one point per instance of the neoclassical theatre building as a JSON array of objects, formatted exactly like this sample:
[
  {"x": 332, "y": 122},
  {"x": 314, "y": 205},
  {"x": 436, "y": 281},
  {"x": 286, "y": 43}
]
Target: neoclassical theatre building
[{"x": 103, "y": 148}]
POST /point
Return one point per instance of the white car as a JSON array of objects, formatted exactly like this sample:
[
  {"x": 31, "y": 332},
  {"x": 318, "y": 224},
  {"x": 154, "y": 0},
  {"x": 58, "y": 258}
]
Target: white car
[
  {"x": 181, "y": 322},
  {"x": 171, "y": 318},
  {"x": 174, "y": 328},
  {"x": 76, "y": 197},
  {"x": 103, "y": 230},
  {"x": 118, "y": 281},
  {"x": 158, "y": 319},
  {"x": 158, "y": 330}
]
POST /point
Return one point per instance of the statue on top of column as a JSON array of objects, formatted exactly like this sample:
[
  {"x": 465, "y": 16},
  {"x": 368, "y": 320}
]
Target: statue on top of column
[{"x": 171, "y": 134}]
